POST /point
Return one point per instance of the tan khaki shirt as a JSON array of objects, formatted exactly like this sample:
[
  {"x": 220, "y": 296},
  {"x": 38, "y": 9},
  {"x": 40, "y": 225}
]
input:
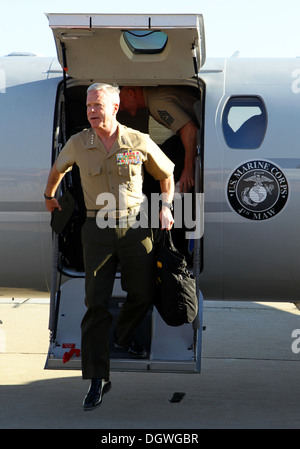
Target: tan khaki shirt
[
  {"x": 102, "y": 171},
  {"x": 171, "y": 106}
]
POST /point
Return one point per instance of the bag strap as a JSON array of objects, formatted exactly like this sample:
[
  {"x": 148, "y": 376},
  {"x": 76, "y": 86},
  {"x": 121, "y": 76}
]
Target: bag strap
[{"x": 168, "y": 236}]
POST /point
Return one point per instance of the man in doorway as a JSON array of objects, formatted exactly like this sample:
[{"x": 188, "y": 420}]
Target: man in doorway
[
  {"x": 111, "y": 158},
  {"x": 171, "y": 106}
]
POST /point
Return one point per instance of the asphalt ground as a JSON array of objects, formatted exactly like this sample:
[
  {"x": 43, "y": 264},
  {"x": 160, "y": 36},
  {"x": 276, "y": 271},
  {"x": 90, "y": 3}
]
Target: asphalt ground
[{"x": 249, "y": 377}]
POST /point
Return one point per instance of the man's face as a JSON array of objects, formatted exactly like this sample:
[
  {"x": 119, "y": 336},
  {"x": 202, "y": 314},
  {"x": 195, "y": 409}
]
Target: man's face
[
  {"x": 101, "y": 109},
  {"x": 128, "y": 101}
]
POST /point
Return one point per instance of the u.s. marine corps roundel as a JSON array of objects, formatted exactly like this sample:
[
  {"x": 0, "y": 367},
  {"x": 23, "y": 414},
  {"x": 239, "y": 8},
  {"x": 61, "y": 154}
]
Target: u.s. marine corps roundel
[{"x": 257, "y": 190}]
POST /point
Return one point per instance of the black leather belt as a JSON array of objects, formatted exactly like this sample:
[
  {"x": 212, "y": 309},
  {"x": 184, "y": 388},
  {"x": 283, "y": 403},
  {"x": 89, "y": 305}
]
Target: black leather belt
[{"x": 114, "y": 213}]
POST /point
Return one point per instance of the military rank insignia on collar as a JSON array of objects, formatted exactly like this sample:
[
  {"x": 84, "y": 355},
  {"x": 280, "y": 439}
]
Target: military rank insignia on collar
[{"x": 124, "y": 141}]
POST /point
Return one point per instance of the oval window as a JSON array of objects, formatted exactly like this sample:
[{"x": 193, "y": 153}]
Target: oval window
[
  {"x": 244, "y": 122},
  {"x": 145, "y": 42}
]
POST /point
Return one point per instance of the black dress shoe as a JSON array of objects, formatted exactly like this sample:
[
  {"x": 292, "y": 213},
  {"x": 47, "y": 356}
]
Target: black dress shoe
[
  {"x": 134, "y": 349},
  {"x": 94, "y": 395}
]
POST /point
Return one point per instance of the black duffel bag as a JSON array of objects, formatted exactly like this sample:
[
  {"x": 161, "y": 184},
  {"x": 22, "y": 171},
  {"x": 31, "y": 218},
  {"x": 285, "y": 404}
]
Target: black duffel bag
[{"x": 176, "y": 298}]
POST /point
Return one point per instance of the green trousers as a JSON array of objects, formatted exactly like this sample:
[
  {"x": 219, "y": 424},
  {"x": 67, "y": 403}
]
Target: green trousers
[{"x": 103, "y": 249}]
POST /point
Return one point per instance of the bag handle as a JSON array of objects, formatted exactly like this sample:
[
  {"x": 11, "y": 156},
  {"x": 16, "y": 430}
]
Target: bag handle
[{"x": 168, "y": 236}]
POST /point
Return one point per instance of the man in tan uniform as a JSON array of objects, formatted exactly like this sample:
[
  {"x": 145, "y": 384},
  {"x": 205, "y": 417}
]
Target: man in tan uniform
[
  {"x": 111, "y": 158},
  {"x": 172, "y": 107}
]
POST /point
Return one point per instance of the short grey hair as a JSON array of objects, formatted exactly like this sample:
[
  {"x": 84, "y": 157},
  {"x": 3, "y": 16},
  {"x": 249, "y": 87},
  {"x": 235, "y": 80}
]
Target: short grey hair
[{"x": 110, "y": 89}]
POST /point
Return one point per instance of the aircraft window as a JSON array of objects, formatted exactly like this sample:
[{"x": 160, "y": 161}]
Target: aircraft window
[
  {"x": 145, "y": 42},
  {"x": 244, "y": 122}
]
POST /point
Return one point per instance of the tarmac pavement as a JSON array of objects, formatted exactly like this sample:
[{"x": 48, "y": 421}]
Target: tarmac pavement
[{"x": 249, "y": 377}]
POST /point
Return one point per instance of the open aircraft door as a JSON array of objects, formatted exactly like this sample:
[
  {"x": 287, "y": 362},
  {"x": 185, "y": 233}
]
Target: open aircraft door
[{"x": 127, "y": 50}]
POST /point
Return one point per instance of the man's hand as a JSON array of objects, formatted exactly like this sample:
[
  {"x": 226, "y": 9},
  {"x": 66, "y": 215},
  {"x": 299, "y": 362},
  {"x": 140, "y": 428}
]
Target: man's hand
[
  {"x": 53, "y": 204},
  {"x": 187, "y": 180},
  {"x": 166, "y": 218}
]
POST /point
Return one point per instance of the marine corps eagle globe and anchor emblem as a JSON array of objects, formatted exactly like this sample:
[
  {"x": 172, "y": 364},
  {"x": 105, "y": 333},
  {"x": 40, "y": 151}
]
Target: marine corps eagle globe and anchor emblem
[{"x": 257, "y": 190}]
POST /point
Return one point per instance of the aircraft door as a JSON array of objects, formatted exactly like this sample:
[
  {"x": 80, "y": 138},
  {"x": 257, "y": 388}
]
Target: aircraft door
[
  {"x": 169, "y": 349},
  {"x": 154, "y": 47}
]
